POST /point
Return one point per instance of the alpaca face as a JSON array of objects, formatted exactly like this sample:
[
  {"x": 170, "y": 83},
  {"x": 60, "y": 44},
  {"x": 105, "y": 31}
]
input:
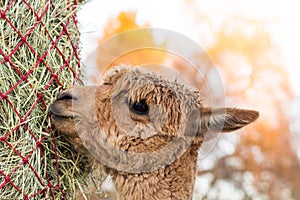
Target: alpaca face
[
  {"x": 140, "y": 112},
  {"x": 136, "y": 104}
]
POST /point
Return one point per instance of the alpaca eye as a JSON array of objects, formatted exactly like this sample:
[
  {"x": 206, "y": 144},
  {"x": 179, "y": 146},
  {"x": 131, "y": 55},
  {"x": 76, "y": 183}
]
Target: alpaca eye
[{"x": 139, "y": 107}]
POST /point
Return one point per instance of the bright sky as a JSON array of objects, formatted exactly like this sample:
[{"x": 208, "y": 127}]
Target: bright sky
[{"x": 173, "y": 15}]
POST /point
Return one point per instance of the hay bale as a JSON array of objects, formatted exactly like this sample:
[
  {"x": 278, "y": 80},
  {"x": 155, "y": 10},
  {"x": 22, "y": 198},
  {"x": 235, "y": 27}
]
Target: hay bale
[{"x": 39, "y": 57}]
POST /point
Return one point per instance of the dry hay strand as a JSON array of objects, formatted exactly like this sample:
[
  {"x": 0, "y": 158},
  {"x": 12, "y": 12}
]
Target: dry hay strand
[{"x": 37, "y": 62}]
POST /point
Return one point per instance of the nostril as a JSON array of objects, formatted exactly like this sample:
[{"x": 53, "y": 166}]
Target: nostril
[{"x": 66, "y": 96}]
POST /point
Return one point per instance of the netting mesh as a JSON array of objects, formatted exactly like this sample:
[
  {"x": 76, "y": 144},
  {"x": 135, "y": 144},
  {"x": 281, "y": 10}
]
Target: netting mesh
[{"x": 39, "y": 58}]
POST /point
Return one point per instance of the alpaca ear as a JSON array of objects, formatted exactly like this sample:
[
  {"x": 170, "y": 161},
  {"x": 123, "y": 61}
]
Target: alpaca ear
[{"x": 225, "y": 119}]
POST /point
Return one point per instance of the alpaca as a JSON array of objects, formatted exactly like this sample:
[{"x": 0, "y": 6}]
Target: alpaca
[{"x": 145, "y": 129}]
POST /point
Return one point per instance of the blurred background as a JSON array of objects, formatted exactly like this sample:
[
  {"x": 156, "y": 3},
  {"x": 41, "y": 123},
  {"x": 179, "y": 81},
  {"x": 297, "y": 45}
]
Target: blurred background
[{"x": 254, "y": 45}]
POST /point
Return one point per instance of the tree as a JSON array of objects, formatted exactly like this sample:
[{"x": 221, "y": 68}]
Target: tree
[{"x": 264, "y": 163}]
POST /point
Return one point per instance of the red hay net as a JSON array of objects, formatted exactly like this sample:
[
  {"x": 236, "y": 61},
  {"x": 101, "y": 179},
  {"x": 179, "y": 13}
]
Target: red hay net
[{"x": 50, "y": 187}]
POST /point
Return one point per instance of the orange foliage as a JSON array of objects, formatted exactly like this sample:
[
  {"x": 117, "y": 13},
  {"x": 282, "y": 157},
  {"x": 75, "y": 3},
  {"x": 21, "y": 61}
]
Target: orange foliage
[
  {"x": 129, "y": 48},
  {"x": 124, "y": 22}
]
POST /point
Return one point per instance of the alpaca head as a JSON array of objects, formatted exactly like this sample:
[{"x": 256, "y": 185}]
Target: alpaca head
[{"x": 137, "y": 120}]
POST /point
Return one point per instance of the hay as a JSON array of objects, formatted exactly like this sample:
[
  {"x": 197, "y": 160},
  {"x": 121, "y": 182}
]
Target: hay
[{"x": 28, "y": 83}]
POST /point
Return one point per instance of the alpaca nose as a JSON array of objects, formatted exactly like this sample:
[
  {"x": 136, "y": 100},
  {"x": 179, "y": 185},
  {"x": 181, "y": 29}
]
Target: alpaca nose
[
  {"x": 66, "y": 95},
  {"x": 78, "y": 95}
]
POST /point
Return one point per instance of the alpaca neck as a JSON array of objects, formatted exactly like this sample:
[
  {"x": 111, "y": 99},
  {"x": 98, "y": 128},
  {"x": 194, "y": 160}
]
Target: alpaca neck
[{"x": 175, "y": 181}]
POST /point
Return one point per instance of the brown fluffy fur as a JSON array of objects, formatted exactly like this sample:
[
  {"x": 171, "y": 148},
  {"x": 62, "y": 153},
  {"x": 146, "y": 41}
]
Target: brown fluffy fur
[{"x": 106, "y": 125}]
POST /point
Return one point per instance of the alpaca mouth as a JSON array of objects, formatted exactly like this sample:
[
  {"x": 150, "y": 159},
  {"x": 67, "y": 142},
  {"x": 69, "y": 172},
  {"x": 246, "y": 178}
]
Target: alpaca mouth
[
  {"x": 56, "y": 116},
  {"x": 60, "y": 117},
  {"x": 62, "y": 120}
]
